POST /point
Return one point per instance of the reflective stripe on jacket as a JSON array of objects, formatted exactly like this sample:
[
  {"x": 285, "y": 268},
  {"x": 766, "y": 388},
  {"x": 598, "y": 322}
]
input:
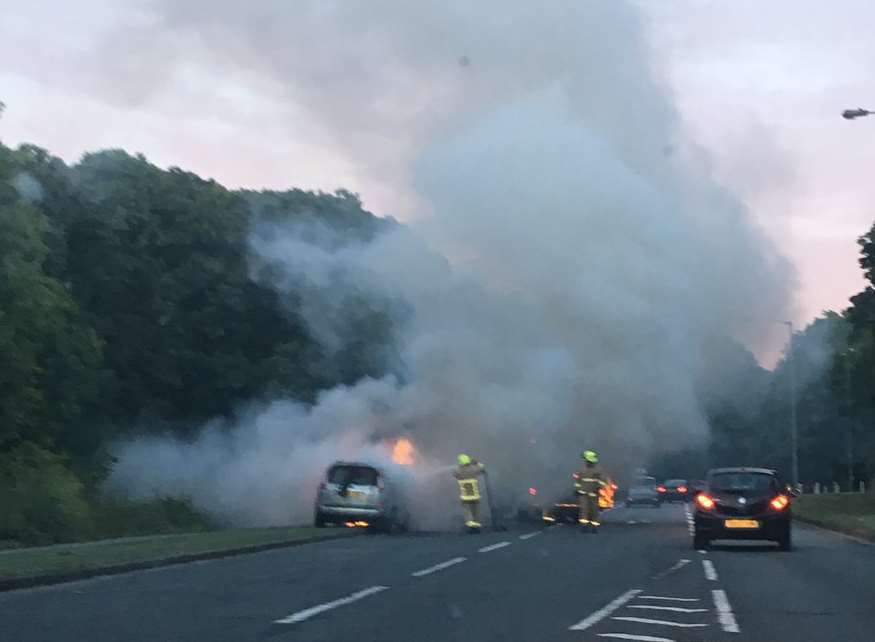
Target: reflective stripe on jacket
[
  {"x": 469, "y": 484},
  {"x": 469, "y": 490},
  {"x": 589, "y": 481}
]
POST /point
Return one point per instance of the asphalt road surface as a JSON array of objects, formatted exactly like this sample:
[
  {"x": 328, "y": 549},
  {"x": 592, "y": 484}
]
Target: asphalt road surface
[{"x": 638, "y": 579}]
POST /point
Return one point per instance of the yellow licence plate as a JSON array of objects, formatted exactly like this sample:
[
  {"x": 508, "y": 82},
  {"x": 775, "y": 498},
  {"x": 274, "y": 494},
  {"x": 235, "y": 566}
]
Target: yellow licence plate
[
  {"x": 355, "y": 493},
  {"x": 741, "y": 523}
]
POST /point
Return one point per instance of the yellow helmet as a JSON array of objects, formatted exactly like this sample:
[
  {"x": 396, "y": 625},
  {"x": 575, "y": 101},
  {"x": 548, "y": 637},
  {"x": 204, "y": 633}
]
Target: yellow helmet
[{"x": 464, "y": 460}]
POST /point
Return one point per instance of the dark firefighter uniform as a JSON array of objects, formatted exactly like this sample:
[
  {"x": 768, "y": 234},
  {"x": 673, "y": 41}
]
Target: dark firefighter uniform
[{"x": 468, "y": 475}]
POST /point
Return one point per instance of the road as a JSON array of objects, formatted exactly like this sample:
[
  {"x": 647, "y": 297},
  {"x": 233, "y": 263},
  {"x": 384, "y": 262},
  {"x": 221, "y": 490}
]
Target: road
[{"x": 636, "y": 580}]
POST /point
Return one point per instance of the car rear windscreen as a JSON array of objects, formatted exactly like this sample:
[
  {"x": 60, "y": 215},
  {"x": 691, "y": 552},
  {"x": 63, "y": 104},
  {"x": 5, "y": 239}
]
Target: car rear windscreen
[
  {"x": 644, "y": 482},
  {"x": 360, "y": 475},
  {"x": 676, "y": 482},
  {"x": 741, "y": 482}
]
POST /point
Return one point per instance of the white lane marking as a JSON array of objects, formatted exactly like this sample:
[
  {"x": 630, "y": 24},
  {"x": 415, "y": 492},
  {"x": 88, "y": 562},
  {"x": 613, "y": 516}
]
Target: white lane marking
[
  {"x": 701, "y": 552},
  {"x": 678, "y": 565},
  {"x": 671, "y": 599},
  {"x": 710, "y": 571},
  {"x": 530, "y": 535},
  {"x": 724, "y": 611},
  {"x": 644, "y": 620},
  {"x": 691, "y": 525},
  {"x": 675, "y": 609},
  {"x": 605, "y": 611},
  {"x": 493, "y": 547},
  {"x": 629, "y": 636},
  {"x": 306, "y": 614},
  {"x": 439, "y": 567}
]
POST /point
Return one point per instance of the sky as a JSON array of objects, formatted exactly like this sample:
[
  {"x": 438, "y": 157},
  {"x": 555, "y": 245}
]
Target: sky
[{"x": 760, "y": 86}]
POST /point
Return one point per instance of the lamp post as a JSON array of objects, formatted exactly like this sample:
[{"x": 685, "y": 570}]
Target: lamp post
[
  {"x": 849, "y": 403},
  {"x": 794, "y": 431}
]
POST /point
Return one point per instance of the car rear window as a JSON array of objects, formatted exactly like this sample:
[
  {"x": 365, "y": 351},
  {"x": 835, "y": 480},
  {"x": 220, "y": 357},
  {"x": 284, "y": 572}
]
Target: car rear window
[
  {"x": 739, "y": 482},
  {"x": 360, "y": 475},
  {"x": 645, "y": 482},
  {"x": 676, "y": 482}
]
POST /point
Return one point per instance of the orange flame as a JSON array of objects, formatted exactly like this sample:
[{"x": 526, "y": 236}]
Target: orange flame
[{"x": 403, "y": 452}]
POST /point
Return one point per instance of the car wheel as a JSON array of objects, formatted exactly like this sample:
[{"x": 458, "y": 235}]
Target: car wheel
[
  {"x": 700, "y": 542},
  {"x": 786, "y": 541},
  {"x": 319, "y": 520}
]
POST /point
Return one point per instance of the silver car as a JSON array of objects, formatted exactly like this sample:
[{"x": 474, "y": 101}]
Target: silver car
[
  {"x": 360, "y": 495},
  {"x": 643, "y": 491}
]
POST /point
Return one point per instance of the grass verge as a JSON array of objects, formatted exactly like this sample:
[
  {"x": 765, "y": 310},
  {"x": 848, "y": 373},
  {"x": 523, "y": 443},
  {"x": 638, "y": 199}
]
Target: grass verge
[
  {"x": 67, "y": 561},
  {"x": 852, "y": 513}
]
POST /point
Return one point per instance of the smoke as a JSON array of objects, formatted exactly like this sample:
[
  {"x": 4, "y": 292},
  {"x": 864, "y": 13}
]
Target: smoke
[
  {"x": 569, "y": 263},
  {"x": 28, "y": 187}
]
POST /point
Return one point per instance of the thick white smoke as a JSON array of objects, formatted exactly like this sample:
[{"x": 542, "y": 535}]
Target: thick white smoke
[{"x": 569, "y": 263}]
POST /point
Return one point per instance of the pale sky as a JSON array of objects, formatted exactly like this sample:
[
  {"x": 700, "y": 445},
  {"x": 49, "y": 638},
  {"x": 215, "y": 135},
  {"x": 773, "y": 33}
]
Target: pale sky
[{"x": 760, "y": 86}]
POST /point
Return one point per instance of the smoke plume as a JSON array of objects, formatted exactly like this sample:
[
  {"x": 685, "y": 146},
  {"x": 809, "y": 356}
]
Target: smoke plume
[{"x": 568, "y": 262}]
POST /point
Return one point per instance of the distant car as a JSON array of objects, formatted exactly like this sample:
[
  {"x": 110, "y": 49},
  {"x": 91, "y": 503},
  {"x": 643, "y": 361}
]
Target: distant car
[
  {"x": 674, "y": 490},
  {"x": 360, "y": 495},
  {"x": 643, "y": 491},
  {"x": 563, "y": 511},
  {"x": 697, "y": 486},
  {"x": 743, "y": 503}
]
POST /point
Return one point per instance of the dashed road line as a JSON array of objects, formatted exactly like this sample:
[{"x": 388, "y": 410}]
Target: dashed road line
[
  {"x": 530, "y": 535},
  {"x": 676, "y": 566},
  {"x": 710, "y": 571},
  {"x": 675, "y": 609},
  {"x": 691, "y": 524},
  {"x": 493, "y": 547},
  {"x": 439, "y": 567},
  {"x": 724, "y": 611},
  {"x": 670, "y": 599},
  {"x": 629, "y": 636},
  {"x": 306, "y": 614},
  {"x": 605, "y": 611},
  {"x": 642, "y": 620}
]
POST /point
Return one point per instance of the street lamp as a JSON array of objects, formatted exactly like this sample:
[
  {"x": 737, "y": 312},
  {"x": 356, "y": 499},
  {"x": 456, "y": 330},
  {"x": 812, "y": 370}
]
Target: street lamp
[
  {"x": 851, "y": 114},
  {"x": 849, "y": 401},
  {"x": 794, "y": 432}
]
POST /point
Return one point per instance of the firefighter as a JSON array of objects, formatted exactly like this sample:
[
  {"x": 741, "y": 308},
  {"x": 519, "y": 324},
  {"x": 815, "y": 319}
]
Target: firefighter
[
  {"x": 468, "y": 475},
  {"x": 588, "y": 484}
]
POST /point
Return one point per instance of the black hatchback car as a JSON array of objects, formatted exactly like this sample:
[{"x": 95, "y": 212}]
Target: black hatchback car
[{"x": 743, "y": 503}]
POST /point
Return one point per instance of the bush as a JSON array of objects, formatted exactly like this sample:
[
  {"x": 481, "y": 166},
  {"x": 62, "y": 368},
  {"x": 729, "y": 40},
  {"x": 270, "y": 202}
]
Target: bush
[
  {"x": 119, "y": 517},
  {"x": 42, "y": 501}
]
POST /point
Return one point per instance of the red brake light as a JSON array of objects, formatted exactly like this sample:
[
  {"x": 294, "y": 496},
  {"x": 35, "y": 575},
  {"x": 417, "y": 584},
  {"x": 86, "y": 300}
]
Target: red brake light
[
  {"x": 533, "y": 491},
  {"x": 682, "y": 489},
  {"x": 704, "y": 501},
  {"x": 780, "y": 502},
  {"x": 660, "y": 489}
]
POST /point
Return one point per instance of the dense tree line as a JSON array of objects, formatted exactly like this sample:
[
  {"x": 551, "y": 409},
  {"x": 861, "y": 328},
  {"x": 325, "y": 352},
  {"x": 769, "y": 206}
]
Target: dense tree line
[
  {"x": 831, "y": 368},
  {"x": 127, "y": 303}
]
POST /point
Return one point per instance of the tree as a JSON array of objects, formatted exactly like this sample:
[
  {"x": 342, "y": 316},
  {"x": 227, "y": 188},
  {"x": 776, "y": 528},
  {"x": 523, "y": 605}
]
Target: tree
[{"x": 48, "y": 355}]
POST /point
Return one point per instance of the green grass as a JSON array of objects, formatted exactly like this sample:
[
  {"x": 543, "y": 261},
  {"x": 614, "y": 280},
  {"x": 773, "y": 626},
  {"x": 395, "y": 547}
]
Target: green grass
[
  {"x": 851, "y": 513},
  {"x": 67, "y": 558}
]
